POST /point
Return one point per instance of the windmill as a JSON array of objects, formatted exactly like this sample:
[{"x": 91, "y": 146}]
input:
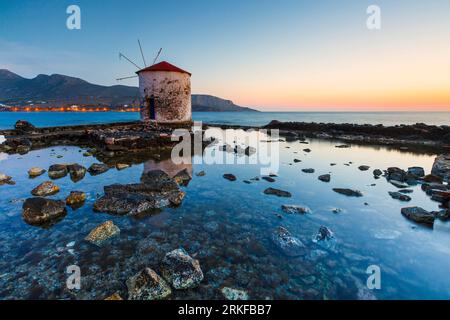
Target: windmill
[{"x": 121, "y": 55}]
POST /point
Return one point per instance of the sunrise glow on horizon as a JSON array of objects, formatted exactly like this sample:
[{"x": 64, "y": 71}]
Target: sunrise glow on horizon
[{"x": 273, "y": 56}]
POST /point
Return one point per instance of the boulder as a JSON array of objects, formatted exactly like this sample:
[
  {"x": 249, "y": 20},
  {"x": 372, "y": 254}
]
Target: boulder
[
  {"x": 183, "y": 177},
  {"x": 97, "y": 168},
  {"x": 441, "y": 167},
  {"x": 377, "y": 173},
  {"x": 394, "y": 173},
  {"x": 234, "y": 294},
  {"x": 431, "y": 178},
  {"x": 278, "y": 193},
  {"x": 348, "y": 192},
  {"x": 102, "y": 233},
  {"x": 4, "y": 179},
  {"x": 293, "y": 209},
  {"x": 325, "y": 178},
  {"x": 23, "y": 149},
  {"x": 399, "y": 196},
  {"x": 181, "y": 270},
  {"x": 147, "y": 285},
  {"x": 76, "y": 199},
  {"x": 45, "y": 189},
  {"x": 24, "y": 126},
  {"x": 156, "y": 191},
  {"x": 57, "y": 171},
  {"x": 35, "y": 172},
  {"x": 229, "y": 176},
  {"x": 419, "y": 215},
  {"x": 288, "y": 244},
  {"x": 416, "y": 171},
  {"x": 41, "y": 211},
  {"x": 76, "y": 171},
  {"x": 323, "y": 234},
  {"x": 364, "y": 168}
]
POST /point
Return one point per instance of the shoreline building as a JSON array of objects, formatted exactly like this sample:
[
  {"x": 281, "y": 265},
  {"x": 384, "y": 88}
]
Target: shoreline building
[{"x": 166, "y": 90}]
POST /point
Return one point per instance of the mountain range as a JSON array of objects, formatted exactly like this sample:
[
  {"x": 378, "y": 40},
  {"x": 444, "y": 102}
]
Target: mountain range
[{"x": 59, "y": 89}]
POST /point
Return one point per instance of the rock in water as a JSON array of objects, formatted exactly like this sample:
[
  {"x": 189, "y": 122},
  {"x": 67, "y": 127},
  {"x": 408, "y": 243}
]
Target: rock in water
[
  {"x": 234, "y": 294},
  {"x": 57, "y": 171},
  {"x": 292, "y": 209},
  {"x": 102, "y": 233},
  {"x": 325, "y": 178},
  {"x": 363, "y": 168},
  {"x": 400, "y": 196},
  {"x": 441, "y": 167},
  {"x": 348, "y": 192},
  {"x": 419, "y": 215},
  {"x": 156, "y": 191},
  {"x": 180, "y": 270},
  {"x": 76, "y": 199},
  {"x": 394, "y": 173},
  {"x": 41, "y": 211},
  {"x": 308, "y": 170},
  {"x": 183, "y": 177},
  {"x": 268, "y": 179},
  {"x": 323, "y": 234},
  {"x": 4, "y": 179},
  {"x": 416, "y": 171},
  {"x": 122, "y": 166},
  {"x": 114, "y": 296},
  {"x": 45, "y": 189},
  {"x": 377, "y": 173},
  {"x": 249, "y": 151},
  {"x": 229, "y": 176},
  {"x": 98, "y": 168},
  {"x": 201, "y": 174},
  {"x": 76, "y": 171},
  {"x": 147, "y": 285},
  {"x": 278, "y": 193},
  {"x": 24, "y": 126},
  {"x": 398, "y": 184},
  {"x": 288, "y": 244},
  {"x": 35, "y": 172}
]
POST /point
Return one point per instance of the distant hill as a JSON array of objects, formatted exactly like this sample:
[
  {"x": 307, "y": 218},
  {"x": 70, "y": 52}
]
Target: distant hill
[{"x": 59, "y": 89}]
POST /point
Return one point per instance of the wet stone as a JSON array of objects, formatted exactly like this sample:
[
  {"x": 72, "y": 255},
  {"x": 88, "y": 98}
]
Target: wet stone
[
  {"x": 348, "y": 192},
  {"x": 200, "y": 174},
  {"x": 418, "y": 215},
  {"x": 45, "y": 189},
  {"x": 377, "y": 173},
  {"x": 364, "y": 168},
  {"x": 147, "y": 285},
  {"x": 277, "y": 192},
  {"x": 288, "y": 244},
  {"x": 4, "y": 179},
  {"x": 97, "y": 168},
  {"x": 398, "y": 184},
  {"x": 122, "y": 166},
  {"x": 399, "y": 196},
  {"x": 308, "y": 170},
  {"x": 293, "y": 209},
  {"x": 323, "y": 234},
  {"x": 57, "y": 171},
  {"x": 41, "y": 211},
  {"x": 234, "y": 294},
  {"x": 76, "y": 171},
  {"x": 115, "y": 296},
  {"x": 102, "y": 233},
  {"x": 183, "y": 177},
  {"x": 441, "y": 167},
  {"x": 416, "y": 171},
  {"x": 181, "y": 270},
  {"x": 325, "y": 178},
  {"x": 230, "y": 177},
  {"x": 76, "y": 199},
  {"x": 35, "y": 172},
  {"x": 268, "y": 179}
]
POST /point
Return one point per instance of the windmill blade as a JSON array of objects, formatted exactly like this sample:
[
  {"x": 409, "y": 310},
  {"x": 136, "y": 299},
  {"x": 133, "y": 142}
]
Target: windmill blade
[
  {"x": 142, "y": 53},
  {"x": 121, "y": 55},
  {"x": 123, "y": 78},
  {"x": 157, "y": 56}
]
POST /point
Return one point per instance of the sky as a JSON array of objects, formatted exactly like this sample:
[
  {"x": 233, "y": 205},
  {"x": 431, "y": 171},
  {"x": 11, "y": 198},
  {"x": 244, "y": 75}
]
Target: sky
[{"x": 284, "y": 55}]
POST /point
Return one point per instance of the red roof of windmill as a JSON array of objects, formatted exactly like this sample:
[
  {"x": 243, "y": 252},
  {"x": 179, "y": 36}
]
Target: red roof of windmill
[{"x": 163, "y": 66}]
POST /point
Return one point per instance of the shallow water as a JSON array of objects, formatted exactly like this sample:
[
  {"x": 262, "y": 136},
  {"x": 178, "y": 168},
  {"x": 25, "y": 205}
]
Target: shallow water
[{"x": 227, "y": 226}]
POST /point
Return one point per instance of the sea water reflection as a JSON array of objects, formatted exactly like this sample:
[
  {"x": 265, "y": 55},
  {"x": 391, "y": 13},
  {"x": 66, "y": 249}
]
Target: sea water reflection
[{"x": 228, "y": 227}]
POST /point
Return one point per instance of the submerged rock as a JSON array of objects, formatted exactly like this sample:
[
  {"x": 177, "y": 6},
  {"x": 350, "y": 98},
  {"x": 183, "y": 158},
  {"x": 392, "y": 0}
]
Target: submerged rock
[
  {"x": 399, "y": 196},
  {"x": 97, "y": 168},
  {"x": 35, "y": 172},
  {"x": 183, "y": 177},
  {"x": 156, "y": 191},
  {"x": 234, "y": 294},
  {"x": 293, "y": 209},
  {"x": 229, "y": 176},
  {"x": 76, "y": 171},
  {"x": 325, "y": 178},
  {"x": 277, "y": 192},
  {"x": 348, "y": 192},
  {"x": 200, "y": 174},
  {"x": 41, "y": 211},
  {"x": 398, "y": 184},
  {"x": 441, "y": 167},
  {"x": 57, "y": 171},
  {"x": 180, "y": 270},
  {"x": 406, "y": 191},
  {"x": 419, "y": 215},
  {"x": 46, "y": 188},
  {"x": 102, "y": 233},
  {"x": 76, "y": 199},
  {"x": 288, "y": 244},
  {"x": 147, "y": 285}
]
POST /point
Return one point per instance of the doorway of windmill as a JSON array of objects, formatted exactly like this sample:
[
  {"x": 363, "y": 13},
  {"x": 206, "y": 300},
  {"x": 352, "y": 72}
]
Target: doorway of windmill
[{"x": 151, "y": 106}]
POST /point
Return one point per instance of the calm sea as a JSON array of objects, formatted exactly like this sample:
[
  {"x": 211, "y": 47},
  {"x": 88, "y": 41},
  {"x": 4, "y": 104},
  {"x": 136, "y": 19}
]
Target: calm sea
[{"x": 7, "y": 119}]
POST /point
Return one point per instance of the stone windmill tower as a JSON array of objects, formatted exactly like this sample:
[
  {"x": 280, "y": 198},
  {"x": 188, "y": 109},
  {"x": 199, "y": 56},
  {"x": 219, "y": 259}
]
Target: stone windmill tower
[{"x": 165, "y": 90}]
